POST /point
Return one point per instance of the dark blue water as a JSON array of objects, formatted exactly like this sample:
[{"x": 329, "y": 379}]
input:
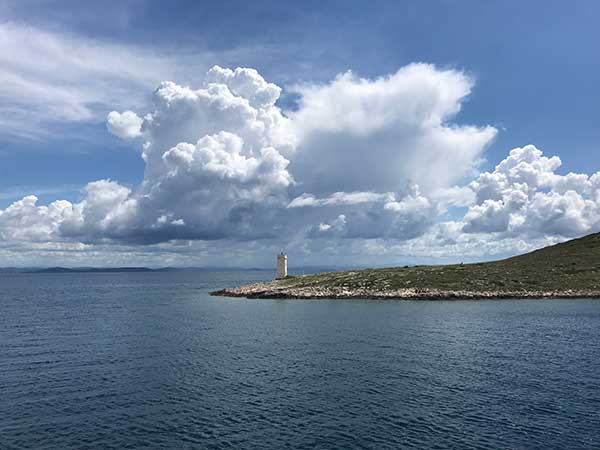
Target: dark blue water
[{"x": 149, "y": 360}]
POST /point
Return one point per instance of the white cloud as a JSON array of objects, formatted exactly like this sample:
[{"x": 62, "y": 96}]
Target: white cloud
[
  {"x": 524, "y": 194},
  {"x": 246, "y": 83},
  {"x": 218, "y": 187},
  {"x": 215, "y": 157},
  {"x": 212, "y": 168},
  {"x": 383, "y": 217},
  {"x": 23, "y": 220},
  {"x": 568, "y": 214},
  {"x": 108, "y": 208},
  {"x": 47, "y": 77},
  {"x": 224, "y": 163},
  {"x": 340, "y": 198},
  {"x": 380, "y": 135},
  {"x": 107, "y": 211},
  {"x": 454, "y": 196},
  {"x": 125, "y": 125}
]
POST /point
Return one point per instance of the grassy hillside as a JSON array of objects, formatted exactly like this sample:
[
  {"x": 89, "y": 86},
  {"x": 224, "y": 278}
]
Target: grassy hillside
[{"x": 571, "y": 265}]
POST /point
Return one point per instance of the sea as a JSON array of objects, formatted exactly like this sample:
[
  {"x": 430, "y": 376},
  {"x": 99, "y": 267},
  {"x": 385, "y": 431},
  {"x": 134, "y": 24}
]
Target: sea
[{"x": 151, "y": 361}]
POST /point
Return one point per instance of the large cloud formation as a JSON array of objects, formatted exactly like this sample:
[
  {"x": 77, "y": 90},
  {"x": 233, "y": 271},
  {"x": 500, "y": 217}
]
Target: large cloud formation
[
  {"x": 524, "y": 194},
  {"x": 386, "y": 132},
  {"x": 214, "y": 169},
  {"x": 365, "y": 161}
]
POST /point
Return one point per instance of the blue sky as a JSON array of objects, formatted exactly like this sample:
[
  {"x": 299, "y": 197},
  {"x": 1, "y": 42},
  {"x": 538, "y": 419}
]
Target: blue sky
[{"x": 533, "y": 65}]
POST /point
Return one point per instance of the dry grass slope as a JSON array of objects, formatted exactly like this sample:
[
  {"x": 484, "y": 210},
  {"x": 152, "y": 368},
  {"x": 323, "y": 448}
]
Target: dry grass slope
[{"x": 571, "y": 265}]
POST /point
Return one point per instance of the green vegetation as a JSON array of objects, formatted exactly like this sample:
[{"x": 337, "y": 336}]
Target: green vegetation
[{"x": 572, "y": 265}]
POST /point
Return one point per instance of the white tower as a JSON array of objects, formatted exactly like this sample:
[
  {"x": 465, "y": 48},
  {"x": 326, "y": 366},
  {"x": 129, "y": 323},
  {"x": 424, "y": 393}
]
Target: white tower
[{"x": 281, "y": 266}]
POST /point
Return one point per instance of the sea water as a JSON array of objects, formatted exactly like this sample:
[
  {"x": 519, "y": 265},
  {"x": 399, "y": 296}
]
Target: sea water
[{"x": 150, "y": 360}]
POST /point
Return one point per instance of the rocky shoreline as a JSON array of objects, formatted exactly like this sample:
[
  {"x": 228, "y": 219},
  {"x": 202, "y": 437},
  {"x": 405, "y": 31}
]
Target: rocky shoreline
[{"x": 274, "y": 289}]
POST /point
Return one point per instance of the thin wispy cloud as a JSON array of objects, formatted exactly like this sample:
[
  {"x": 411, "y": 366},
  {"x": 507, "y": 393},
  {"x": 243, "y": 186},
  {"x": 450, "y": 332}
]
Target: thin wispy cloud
[{"x": 48, "y": 77}]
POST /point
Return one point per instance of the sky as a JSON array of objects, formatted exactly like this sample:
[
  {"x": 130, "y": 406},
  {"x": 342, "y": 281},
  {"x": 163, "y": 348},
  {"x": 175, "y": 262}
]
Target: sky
[{"x": 363, "y": 133}]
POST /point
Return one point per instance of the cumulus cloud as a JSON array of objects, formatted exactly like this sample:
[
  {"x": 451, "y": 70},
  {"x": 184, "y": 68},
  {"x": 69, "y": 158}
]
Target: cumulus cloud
[
  {"x": 215, "y": 157},
  {"x": 224, "y": 163},
  {"x": 107, "y": 211},
  {"x": 524, "y": 194},
  {"x": 378, "y": 135},
  {"x": 125, "y": 125},
  {"x": 218, "y": 187},
  {"x": 23, "y": 220},
  {"x": 363, "y": 143},
  {"x": 214, "y": 167},
  {"x": 246, "y": 83},
  {"x": 384, "y": 218}
]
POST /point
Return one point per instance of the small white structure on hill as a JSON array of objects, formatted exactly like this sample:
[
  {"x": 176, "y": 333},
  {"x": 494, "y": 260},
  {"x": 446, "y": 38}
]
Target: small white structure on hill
[{"x": 281, "y": 266}]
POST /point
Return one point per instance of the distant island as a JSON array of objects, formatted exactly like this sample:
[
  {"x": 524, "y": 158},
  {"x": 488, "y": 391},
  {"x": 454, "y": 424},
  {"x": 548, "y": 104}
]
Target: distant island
[
  {"x": 80, "y": 269},
  {"x": 567, "y": 270},
  {"x": 95, "y": 270}
]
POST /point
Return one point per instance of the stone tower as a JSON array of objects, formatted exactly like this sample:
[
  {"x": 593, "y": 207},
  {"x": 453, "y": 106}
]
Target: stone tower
[{"x": 281, "y": 266}]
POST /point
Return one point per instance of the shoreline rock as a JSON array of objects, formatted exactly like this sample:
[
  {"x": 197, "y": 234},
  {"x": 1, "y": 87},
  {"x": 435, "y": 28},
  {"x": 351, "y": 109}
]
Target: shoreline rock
[{"x": 273, "y": 291}]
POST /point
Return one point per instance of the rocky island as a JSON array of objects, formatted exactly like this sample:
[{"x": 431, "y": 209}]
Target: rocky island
[{"x": 567, "y": 270}]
